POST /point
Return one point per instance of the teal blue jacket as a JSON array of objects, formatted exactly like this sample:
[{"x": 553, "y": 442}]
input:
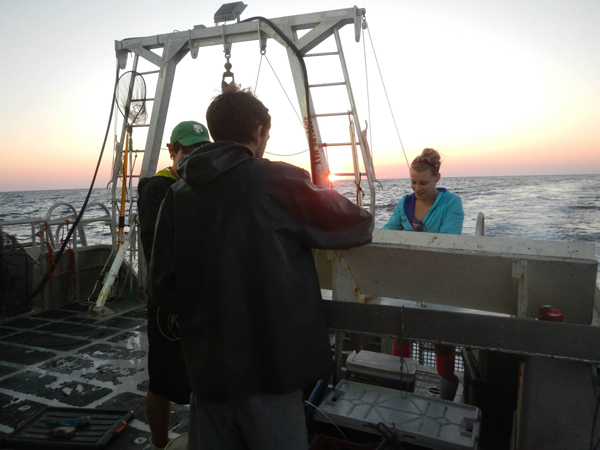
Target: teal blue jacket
[{"x": 445, "y": 216}]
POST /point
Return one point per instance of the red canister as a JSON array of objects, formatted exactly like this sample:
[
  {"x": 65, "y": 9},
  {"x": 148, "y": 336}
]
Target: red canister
[{"x": 550, "y": 314}]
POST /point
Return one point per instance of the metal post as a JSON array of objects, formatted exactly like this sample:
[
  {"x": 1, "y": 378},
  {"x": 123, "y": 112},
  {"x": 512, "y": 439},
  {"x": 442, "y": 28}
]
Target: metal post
[
  {"x": 338, "y": 357},
  {"x": 158, "y": 118},
  {"x": 318, "y": 159},
  {"x": 117, "y": 164},
  {"x": 480, "y": 225},
  {"x": 155, "y": 134},
  {"x": 368, "y": 161},
  {"x": 355, "y": 163}
]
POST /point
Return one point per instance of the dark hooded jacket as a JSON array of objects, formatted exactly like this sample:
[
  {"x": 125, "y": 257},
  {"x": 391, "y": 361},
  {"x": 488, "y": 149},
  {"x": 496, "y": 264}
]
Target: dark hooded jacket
[
  {"x": 151, "y": 192},
  {"x": 233, "y": 241}
]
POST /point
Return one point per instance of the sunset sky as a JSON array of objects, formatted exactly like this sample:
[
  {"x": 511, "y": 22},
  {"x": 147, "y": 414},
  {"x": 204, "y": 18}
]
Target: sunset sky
[{"x": 499, "y": 87}]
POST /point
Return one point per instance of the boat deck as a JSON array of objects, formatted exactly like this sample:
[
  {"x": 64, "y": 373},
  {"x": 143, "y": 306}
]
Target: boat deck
[{"x": 69, "y": 358}]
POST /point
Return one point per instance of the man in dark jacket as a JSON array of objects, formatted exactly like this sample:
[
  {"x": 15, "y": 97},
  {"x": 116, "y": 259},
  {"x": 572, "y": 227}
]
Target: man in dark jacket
[
  {"x": 168, "y": 381},
  {"x": 233, "y": 241}
]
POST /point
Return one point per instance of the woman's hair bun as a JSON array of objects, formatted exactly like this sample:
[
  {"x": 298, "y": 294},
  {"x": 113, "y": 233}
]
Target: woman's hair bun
[{"x": 433, "y": 155}]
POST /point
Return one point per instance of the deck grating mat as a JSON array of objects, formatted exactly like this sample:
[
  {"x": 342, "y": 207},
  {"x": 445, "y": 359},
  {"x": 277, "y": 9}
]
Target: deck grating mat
[
  {"x": 25, "y": 323},
  {"x": 25, "y": 357},
  {"x": 54, "y": 314}
]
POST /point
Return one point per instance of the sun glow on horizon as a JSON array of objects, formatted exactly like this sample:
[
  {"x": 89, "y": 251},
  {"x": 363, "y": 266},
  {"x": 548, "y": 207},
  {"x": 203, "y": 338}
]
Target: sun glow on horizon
[{"x": 521, "y": 99}]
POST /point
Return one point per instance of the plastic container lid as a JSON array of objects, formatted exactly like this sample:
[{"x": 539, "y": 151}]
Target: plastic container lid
[
  {"x": 382, "y": 365},
  {"x": 423, "y": 421}
]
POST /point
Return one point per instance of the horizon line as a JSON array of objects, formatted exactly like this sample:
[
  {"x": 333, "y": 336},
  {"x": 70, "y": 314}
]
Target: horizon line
[{"x": 345, "y": 179}]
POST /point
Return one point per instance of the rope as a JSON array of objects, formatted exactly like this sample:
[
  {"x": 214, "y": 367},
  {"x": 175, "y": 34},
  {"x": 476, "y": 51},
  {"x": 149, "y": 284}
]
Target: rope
[
  {"x": 328, "y": 418},
  {"x": 286, "y": 95},
  {"x": 172, "y": 325},
  {"x": 258, "y": 73},
  {"x": 388, "y": 99},
  {"x": 284, "y": 91},
  {"x": 290, "y": 154},
  {"x": 307, "y": 123},
  {"x": 390, "y": 440}
]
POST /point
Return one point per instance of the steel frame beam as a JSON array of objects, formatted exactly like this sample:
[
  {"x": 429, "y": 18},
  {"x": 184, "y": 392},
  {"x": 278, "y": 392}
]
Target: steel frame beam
[
  {"x": 176, "y": 45},
  {"x": 567, "y": 341},
  {"x": 323, "y": 24}
]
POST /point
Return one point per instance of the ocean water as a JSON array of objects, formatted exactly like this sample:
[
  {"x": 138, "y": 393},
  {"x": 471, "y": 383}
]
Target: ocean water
[
  {"x": 20, "y": 206},
  {"x": 547, "y": 207},
  {"x": 544, "y": 207}
]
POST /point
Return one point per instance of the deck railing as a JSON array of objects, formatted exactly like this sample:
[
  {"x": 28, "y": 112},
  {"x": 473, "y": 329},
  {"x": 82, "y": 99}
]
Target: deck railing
[{"x": 36, "y": 234}]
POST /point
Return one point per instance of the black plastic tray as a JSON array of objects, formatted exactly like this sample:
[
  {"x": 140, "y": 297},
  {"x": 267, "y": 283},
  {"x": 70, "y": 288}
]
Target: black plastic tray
[{"x": 36, "y": 434}]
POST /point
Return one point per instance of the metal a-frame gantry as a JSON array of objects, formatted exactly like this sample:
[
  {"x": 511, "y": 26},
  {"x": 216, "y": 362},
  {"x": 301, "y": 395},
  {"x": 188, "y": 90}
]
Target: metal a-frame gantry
[{"x": 177, "y": 45}]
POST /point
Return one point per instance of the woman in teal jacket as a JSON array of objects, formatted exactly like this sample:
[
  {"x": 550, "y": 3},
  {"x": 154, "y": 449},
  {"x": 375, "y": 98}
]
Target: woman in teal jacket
[{"x": 431, "y": 210}]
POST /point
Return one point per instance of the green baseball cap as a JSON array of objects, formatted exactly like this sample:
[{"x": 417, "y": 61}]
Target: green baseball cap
[{"x": 189, "y": 133}]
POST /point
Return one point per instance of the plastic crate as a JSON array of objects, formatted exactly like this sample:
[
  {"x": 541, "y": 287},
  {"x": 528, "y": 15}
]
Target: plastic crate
[{"x": 424, "y": 421}]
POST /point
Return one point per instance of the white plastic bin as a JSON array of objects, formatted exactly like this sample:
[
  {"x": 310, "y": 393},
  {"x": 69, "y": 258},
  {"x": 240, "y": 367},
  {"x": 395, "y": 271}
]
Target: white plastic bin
[
  {"x": 382, "y": 369},
  {"x": 423, "y": 421}
]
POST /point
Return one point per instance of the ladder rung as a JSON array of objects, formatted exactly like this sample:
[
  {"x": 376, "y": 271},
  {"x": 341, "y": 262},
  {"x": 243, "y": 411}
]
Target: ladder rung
[
  {"x": 347, "y": 174},
  {"x": 140, "y": 125},
  {"x": 149, "y": 73},
  {"x": 340, "y": 83},
  {"x": 321, "y": 54},
  {"x": 142, "y": 99},
  {"x": 341, "y": 144},
  {"x": 332, "y": 114}
]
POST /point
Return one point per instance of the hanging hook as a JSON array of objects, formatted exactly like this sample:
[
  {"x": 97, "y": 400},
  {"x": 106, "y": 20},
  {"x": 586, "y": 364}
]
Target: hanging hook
[{"x": 228, "y": 73}]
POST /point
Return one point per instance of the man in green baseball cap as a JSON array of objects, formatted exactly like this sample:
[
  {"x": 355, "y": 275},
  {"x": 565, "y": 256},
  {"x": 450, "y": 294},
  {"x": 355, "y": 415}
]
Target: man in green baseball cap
[
  {"x": 167, "y": 373},
  {"x": 189, "y": 133}
]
